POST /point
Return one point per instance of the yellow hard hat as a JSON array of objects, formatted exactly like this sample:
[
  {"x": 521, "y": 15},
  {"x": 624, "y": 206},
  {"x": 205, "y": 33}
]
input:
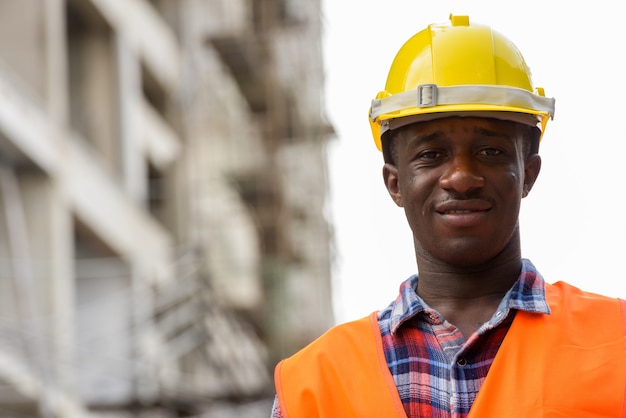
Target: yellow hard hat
[{"x": 458, "y": 69}]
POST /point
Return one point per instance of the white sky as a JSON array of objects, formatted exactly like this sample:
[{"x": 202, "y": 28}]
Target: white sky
[{"x": 572, "y": 223}]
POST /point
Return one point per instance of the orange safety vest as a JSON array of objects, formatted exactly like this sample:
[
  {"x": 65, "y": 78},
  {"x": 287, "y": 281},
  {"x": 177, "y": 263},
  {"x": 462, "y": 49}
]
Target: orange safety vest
[{"x": 571, "y": 363}]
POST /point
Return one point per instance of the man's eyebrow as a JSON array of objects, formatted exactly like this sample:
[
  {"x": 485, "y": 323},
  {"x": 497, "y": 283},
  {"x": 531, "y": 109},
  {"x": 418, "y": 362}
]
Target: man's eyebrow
[
  {"x": 426, "y": 137},
  {"x": 489, "y": 132}
]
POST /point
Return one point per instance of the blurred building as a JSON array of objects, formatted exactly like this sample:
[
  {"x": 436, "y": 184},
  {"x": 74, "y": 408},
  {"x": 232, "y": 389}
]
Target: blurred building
[{"x": 163, "y": 186}]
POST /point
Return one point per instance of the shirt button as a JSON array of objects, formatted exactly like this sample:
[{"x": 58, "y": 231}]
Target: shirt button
[
  {"x": 461, "y": 361},
  {"x": 499, "y": 314}
]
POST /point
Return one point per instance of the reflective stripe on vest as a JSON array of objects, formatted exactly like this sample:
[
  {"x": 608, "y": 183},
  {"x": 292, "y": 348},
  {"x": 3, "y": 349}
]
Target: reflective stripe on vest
[{"x": 566, "y": 364}]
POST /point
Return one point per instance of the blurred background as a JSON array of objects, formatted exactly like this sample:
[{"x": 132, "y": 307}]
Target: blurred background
[
  {"x": 189, "y": 191},
  {"x": 164, "y": 235}
]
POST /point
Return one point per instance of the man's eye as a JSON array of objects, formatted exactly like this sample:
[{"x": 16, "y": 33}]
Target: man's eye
[
  {"x": 490, "y": 152},
  {"x": 429, "y": 155}
]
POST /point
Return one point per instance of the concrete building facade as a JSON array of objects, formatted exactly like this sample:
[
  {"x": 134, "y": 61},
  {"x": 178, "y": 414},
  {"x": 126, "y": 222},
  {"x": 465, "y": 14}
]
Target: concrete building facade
[{"x": 164, "y": 236}]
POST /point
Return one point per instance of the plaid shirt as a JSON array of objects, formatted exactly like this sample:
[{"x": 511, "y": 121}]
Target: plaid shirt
[{"x": 437, "y": 372}]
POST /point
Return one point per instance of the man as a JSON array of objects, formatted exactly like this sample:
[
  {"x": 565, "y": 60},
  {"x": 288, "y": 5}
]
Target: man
[{"x": 478, "y": 333}]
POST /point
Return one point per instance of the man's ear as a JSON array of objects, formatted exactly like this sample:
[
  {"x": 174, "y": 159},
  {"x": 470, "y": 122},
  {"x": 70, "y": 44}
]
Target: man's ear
[
  {"x": 532, "y": 166},
  {"x": 390, "y": 174}
]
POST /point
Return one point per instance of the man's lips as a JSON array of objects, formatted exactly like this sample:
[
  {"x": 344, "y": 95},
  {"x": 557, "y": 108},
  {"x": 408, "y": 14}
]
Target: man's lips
[
  {"x": 463, "y": 213},
  {"x": 451, "y": 207}
]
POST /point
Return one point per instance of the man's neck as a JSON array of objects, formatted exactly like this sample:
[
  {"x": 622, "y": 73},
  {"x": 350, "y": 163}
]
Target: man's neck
[
  {"x": 467, "y": 296},
  {"x": 456, "y": 283}
]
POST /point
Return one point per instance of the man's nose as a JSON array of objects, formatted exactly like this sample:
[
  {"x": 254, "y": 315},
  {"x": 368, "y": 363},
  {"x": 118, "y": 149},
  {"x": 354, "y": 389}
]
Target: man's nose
[{"x": 462, "y": 176}]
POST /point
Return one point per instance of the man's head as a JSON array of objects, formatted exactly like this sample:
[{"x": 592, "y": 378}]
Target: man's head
[
  {"x": 460, "y": 181},
  {"x": 459, "y": 124}
]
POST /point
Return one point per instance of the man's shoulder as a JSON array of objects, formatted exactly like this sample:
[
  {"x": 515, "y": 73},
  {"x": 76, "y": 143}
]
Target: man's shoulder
[
  {"x": 568, "y": 299},
  {"x": 347, "y": 330},
  {"x": 567, "y": 290},
  {"x": 342, "y": 337}
]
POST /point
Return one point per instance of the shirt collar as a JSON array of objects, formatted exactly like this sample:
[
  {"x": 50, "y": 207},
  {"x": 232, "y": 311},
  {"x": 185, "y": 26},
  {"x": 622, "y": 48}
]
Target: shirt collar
[{"x": 528, "y": 293}]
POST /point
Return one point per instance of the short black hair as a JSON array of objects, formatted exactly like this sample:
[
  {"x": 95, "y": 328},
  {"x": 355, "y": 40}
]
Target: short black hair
[{"x": 390, "y": 144}]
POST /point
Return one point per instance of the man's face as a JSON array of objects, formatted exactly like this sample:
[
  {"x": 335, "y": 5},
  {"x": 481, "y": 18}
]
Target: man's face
[{"x": 460, "y": 182}]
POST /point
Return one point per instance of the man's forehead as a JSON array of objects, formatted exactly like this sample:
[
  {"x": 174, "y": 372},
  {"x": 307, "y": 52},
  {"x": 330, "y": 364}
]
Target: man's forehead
[{"x": 444, "y": 126}]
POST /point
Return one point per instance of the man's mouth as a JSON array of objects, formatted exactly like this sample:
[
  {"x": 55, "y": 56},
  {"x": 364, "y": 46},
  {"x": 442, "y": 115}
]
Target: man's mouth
[
  {"x": 464, "y": 213},
  {"x": 460, "y": 211},
  {"x": 460, "y": 207}
]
